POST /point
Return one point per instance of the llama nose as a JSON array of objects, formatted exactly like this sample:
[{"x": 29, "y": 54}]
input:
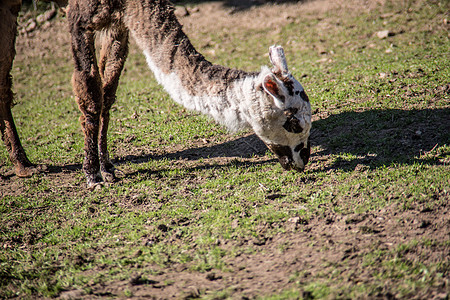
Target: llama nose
[
  {"x": 285, "y": 162},
  {"x": 298, "y": 168},
  {"x": 289, "y": 164}
]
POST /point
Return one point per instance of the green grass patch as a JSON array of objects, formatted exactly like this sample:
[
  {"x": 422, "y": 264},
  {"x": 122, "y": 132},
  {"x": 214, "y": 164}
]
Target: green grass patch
[{"x": 187, "y": 201}]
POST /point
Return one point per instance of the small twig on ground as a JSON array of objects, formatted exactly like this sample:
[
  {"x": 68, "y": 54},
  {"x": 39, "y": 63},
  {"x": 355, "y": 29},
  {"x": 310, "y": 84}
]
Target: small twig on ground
[
  {"x": 432, "y": 148},
  {"x": 263, "y": 187}
]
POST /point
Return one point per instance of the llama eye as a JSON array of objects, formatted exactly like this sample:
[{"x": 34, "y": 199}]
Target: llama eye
[
  {"x": 292, "y": 124},
  {"x": 297, "y": 93}
]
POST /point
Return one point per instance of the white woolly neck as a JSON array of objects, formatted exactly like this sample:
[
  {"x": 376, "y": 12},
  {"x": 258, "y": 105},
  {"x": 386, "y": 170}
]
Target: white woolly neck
[{"x": 232, "y": 108}]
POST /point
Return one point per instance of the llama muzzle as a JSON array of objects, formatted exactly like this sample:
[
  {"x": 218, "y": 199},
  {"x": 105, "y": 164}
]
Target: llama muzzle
[{"x": 286, "y": 159}]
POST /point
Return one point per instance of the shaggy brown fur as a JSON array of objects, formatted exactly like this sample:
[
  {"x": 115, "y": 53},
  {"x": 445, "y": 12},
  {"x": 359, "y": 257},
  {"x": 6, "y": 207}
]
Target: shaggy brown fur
[
  {"x": 9, "y": 10},
  {"x": 95, "y": 84}
]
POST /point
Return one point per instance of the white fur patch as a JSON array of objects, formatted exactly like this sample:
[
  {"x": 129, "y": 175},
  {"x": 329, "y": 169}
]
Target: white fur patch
[{"x": 225, "y": 111}]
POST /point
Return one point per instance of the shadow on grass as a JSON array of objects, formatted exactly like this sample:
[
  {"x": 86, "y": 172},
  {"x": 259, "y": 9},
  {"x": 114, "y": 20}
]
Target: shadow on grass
[
  {"x": 382, "y": 137},
  {"x": 243, "y": 147},
  {"x": 63, "y": 169},
  {"x": 371, "y": 138},
  {"x": 238, "y": 4}
]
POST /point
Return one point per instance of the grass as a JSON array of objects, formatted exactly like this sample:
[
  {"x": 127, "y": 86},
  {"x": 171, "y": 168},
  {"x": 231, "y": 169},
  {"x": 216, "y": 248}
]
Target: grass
[{"x": 380, "y": 140}]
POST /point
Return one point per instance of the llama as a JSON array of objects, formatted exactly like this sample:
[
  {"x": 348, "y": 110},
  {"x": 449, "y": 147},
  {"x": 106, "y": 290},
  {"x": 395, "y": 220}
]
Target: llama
[
  {"x": 9, "y": 10},
  {"x": 271, "y": 102}
]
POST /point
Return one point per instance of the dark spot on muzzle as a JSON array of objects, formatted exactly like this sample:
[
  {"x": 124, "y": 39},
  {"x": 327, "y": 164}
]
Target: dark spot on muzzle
[
  {"x": 305, "y": 152},
  {"x": 284, "y": 154}
]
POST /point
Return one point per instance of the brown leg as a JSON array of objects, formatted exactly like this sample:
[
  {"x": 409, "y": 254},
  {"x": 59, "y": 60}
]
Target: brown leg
[
  {"x": 9, "y": 10},
  {"x": 112, "y": 58},
  {"x": 88, "y": 92}
]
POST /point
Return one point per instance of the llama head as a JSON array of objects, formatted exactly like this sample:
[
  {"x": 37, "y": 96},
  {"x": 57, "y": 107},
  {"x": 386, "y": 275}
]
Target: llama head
[{"x": 286, "y": 117}]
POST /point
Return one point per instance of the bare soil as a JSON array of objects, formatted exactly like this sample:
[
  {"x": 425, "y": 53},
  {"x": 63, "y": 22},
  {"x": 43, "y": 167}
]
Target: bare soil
[{"x": 309, "y": 247}]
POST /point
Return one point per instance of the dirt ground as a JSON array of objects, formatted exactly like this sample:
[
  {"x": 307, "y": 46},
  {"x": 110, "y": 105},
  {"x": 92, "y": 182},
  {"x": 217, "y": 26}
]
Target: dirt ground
[{"x": 338, "y": 240}]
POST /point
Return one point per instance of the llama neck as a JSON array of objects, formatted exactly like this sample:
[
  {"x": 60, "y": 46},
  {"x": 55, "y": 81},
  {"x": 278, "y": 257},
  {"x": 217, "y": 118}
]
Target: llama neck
[{"x": 187, "y": 76}]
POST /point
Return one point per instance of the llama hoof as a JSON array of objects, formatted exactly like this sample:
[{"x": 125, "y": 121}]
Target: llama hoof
[
  {"x": 94, "y": 182},
  {"x": 109, "y": 173},
  {"x": 28, "y": 171},
  {"x": 95, "y": 186},
  {"x": 109, "y": 176},
  {"x": 24, "y": 172}
]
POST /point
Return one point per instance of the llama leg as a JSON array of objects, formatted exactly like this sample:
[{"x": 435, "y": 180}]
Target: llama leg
[
  {"x": 9, "y": 10},
  {"x": 112, "y": 58},
  {"x": 88, "y": 92}
]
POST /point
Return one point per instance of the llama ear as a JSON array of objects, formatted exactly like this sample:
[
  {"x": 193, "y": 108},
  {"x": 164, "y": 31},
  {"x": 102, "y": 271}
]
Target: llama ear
[
  {"x": 278, "y": 60},
  {"x": 273, "y": 87}
]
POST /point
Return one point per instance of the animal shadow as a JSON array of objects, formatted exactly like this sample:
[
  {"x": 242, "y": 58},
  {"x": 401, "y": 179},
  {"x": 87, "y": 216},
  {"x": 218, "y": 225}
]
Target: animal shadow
[
  {"x": 244, "y": 147},
  {"x": 382, "y": 137},
  {"x": 371, "y": 138},
  {"x": 238, "y": 4}
]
